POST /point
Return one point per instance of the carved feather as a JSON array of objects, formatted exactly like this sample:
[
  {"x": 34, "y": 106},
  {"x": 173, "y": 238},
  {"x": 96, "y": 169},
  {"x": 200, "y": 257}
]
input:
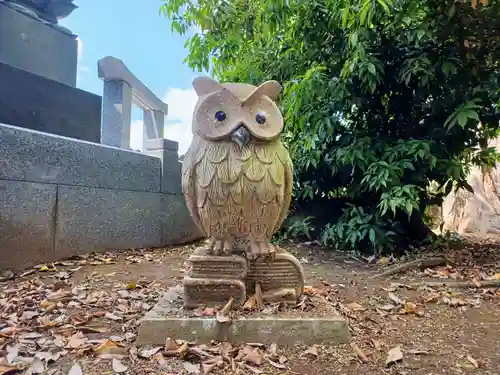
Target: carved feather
[{"x": 237, "y": 191}]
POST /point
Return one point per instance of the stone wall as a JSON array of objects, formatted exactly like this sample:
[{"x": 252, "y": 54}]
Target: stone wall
[
  {"x": 34, "y": 102},
  {"x": 60, "y": 197}
]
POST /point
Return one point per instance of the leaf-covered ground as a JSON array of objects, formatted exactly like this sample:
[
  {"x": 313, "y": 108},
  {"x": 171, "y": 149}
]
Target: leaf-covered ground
[{"x": 81, "y": 316}]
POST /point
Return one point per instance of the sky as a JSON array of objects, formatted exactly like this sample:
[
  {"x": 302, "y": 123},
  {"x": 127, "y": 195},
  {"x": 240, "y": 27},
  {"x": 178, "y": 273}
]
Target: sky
[{"x": 134, "y": 32}]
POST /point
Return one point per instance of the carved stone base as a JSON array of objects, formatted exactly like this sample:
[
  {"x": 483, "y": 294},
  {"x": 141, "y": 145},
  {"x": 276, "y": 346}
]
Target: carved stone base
[
  {"x": 209, "y": 291},
  {"x": 204, "y": 265},
  {"x": 166, "y": 319},
  {"x": 214, "y": 279},
  {"x": 280, "y": 280}
]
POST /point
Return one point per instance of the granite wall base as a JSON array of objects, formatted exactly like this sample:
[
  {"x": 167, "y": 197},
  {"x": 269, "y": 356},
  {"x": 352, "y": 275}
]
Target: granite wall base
[
  {"x": 61, "y": 197},
  {"x": 44, "y": 222},
  {"x": 27, "y": 223}
]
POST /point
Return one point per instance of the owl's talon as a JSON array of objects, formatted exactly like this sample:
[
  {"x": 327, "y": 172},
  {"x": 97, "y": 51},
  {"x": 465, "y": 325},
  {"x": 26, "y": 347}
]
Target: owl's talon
[
  {"x": 219, "y": 247},
  {"x": 264, "y": 250}
]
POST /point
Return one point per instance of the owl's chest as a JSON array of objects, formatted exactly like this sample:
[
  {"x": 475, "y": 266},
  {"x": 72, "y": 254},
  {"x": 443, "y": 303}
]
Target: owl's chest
[{"x": 232, "y": 176}]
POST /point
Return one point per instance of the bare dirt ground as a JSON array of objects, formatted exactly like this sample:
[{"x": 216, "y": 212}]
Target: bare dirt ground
[{"x": 81, "y": 316}]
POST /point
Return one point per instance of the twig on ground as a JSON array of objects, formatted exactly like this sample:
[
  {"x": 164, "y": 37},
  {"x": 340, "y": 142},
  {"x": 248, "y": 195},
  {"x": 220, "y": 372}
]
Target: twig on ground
[
  {"x": 458, "y": 284},
  {"x": 419, "y": 263}
]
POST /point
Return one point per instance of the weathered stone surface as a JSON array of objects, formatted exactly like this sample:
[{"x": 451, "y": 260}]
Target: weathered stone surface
[
  {"x": 38, "y": 48},
  {"x": 154, "y": 125},
  {"x": 204, "y": 265},
  {"x": 116, "y": 114},
  {"x": 176, "y": 225},
  {"x": 29, "y": 155},
  {"x": 282, "y": 273},
  {"x": 46, "y": 10},
  {"x": 90, "y": 219},
  {"x": 478, "y": 212},
  {"x": 31, "y": 101},
  {"x": 237, "y": 174},
  {"x": 203, "y": 291},
  {"x": 26, "y": 223},
  {"x": 281, "y": 279},
  {"x": 167, "y": 151},
  {"x": 160, "y": 323}
]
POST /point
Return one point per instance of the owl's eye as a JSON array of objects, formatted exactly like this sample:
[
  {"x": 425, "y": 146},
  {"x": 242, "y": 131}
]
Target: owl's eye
[
  {"x": 260, "y": 118},
  {"x": 220, "y": 116}
]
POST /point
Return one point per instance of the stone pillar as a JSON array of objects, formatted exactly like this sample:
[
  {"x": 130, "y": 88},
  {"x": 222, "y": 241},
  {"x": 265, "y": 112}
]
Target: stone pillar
[
  {"x": 154, "y": 122},
  {"x": 167, "y": 151},
  {"x": 116, "y": 114}
]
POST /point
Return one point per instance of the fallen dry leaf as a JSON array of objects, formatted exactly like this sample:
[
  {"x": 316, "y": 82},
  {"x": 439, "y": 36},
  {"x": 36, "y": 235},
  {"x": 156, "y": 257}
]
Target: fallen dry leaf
[
  {"x": 207, "y": 368},
  {"x": 355, "y": 306},
  {"x": 473, "y": 361},
  {"x": 227, "y": 307},
  {"x": 376, "y": 344},
  {"x": 251, "y": 355},
  {"x": 309, "y": 290},
  {"x": 191, "y": 368},
  {"x": 258, "y": 295},
  {"x": 12, "y": 352},
  {"x": 118, "y": 367},
  {"x": 37, "y": 367},
  {"x": 182, "y": 350},
  {"x": 250, "y": 303},
  {"x": 76, "y": 341},
  {"x": 148, "y": 353},
  {"x": 272, "y": 350},
  {"x": 359, "y": 353},
  {"x": 395, "y": 299},
  {"x": 104, "y": 346},
  {"x": 254, "y": 369},
  {"x": 75, "y": 370},
  {"x": 276, "y": 364},
  {"x": 394, "y": 355},
  {"x": 313, "y": 350},
  {"x": 170, "y": 345},
  {"x": 209, "y": 311},
  {"x": 7, "y": 370}
]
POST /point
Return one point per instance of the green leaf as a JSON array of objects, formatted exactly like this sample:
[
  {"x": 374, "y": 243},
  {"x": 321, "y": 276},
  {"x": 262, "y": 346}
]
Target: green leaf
[
  {"x": 345, "y": 16},
  {"x": 472, "y": 114},
  {"x": 462, "y": 119},
  {"x": 372, "y": 236},
  {"x": 364, "y": 12},
  {"x": 384, "y": 5},
  {"x": 371, "y": 68}
]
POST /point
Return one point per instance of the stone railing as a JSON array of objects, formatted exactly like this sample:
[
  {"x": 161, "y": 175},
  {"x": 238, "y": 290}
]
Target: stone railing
[{"x": 121, "y": 89}]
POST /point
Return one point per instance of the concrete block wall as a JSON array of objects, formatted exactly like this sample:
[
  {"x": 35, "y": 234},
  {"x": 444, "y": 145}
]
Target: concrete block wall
[{"x": 61, "y": 197}]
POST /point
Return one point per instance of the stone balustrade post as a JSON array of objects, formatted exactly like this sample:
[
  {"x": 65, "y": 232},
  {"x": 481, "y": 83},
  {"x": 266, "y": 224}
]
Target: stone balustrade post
[
  {"x": 121, "y": 89},
  {"x": 168, "y": 152},
  {"x": 116, "y": 114},
  {"x": 154, "y": 122}
]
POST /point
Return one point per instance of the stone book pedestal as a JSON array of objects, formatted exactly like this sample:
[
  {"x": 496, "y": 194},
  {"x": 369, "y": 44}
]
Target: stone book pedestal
[{"x": 215, "y": 279}]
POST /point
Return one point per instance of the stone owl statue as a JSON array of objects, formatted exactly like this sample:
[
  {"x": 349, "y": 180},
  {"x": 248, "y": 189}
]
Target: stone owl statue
[{"x": 237, "y": 175}]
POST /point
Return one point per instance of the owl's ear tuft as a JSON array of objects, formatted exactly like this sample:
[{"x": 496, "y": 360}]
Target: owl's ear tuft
[
  {"x": 205, "y": 85},
  {"x": 269, "y": 88}
]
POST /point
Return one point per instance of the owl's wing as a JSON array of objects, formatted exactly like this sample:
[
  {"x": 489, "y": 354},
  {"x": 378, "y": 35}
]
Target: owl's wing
[
  {"x": 271, "y": 172},
  {"x": 191, "y": 159},
  {"x": 284, "y": 157}
]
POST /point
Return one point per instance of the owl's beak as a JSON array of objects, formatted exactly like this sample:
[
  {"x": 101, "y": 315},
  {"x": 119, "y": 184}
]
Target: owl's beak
[{"x": 241, "y": 136}]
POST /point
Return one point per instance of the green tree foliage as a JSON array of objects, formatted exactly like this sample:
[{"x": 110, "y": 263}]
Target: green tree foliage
[{"x": 387, "y": 102}]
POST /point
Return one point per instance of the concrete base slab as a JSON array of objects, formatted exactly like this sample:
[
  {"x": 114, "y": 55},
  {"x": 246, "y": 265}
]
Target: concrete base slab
[{"x": 166, "y": 320}]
